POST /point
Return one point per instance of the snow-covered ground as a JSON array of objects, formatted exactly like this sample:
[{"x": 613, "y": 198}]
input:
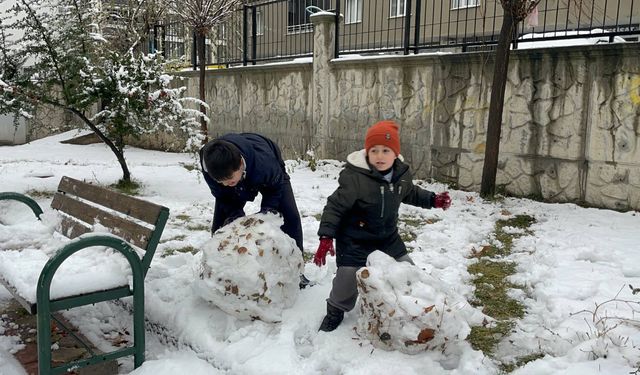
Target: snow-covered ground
[{"x": 575, "y": 261}]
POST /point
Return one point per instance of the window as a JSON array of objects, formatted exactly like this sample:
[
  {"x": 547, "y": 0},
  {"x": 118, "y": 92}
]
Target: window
[
  {"x": 456, "y": 4},
  {"x": 299, "y": 16},
  {"x": 353, "y": 11},
  {"x": 397, "y": 8},
  {"x": 259, "y": 23}
]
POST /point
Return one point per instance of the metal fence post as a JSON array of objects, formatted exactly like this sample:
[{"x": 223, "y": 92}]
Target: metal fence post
[
  {"x": 244, "y": 35},
  {"x": 407, "y": 25},
  {"x": 336, "y": 50},
  {"x": 194, "y": 55},
  {"x": 254, "y": 33},
  {"x": 416, "y": 34}
]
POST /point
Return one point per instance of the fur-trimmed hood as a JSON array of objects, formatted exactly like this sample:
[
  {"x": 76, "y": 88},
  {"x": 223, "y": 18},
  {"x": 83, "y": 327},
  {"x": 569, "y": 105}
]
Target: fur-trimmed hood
[{"x": 359, "y": 159}]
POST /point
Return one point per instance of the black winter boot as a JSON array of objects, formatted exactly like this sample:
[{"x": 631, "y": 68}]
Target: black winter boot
[
  {"x": 304, "y": 282},
  {"x": 332, "y": 320}
]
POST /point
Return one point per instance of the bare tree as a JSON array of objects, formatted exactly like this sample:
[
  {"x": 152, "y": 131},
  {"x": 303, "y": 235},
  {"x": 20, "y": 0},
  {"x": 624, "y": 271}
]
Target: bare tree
[
  {"x": 202, "y": 16},
  {"x": 515, "y": 11}
]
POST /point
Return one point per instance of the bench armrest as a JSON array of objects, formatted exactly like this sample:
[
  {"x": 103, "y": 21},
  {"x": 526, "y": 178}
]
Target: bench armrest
[
  {"x": 24, "y": 199},
  {"x": 50, "y": 268}
]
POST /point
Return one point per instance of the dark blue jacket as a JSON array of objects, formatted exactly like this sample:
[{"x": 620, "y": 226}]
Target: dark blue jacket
[{"x": 265, "y": 174}]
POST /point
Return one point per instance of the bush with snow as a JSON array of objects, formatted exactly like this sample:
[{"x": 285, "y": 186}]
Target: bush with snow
[
  {"x": 403, "y": 308},
  {"x": 250, "y": 269}
]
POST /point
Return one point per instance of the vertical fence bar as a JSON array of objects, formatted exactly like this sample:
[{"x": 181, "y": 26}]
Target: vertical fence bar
[
  {"x": 245, "y": 43},
  {"x": 416, "y": 32},
  {"x": 254, "y": 39},
  {"x": 433, "y": 20},
  {"x": 593, "y": 6},
  {"x": 579, "y": 14},
  {"x": 194, "y": 56},
  {"x": 617, "y": 17},
  {"x": 407, "y": 26},
  {"x": 544, "y": 20},
  {"x": 336, "y": 41}
]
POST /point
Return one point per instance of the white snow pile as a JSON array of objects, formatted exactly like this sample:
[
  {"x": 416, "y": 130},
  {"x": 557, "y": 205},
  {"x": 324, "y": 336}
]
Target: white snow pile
[
  {"x": 402, "y": 308},
  {"x": 250, "y": 269}
]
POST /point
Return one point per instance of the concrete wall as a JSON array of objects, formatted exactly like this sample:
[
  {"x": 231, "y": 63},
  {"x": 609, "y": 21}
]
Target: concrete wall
[
  {"x": 12, "y": 133},
  {"x": 571, "y": 126}
]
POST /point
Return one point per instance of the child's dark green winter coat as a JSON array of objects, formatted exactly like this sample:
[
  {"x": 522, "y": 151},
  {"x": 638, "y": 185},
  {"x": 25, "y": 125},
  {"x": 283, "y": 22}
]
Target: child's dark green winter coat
[{"x": 362, "y": 214}]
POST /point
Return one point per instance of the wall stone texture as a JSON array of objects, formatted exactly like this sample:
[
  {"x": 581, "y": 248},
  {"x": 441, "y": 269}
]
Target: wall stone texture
[{"x": 571, "y": 121}]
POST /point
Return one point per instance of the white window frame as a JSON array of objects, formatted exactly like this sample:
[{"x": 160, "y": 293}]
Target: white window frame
[
  {"x": 462, "y": 4},
  {"x": 259, "y": 23},
  {"x": 353, "y": 11},
  {"x": 395, "y": 6}
]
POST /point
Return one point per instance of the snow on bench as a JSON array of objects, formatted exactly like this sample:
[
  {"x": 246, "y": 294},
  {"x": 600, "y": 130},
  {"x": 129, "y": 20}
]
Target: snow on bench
[{"x": 115, "y": 237}]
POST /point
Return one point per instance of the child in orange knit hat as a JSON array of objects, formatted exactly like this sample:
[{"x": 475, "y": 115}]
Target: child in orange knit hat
[{"x": 362, "y": 214}]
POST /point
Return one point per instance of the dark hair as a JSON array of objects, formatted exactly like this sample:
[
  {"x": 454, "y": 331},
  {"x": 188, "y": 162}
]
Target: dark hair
[{"x": 221, "y": 159}]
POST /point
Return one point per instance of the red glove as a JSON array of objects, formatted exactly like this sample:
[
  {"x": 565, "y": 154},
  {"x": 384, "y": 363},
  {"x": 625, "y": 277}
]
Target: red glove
[
  {"x": 442, "y": 200},
  {"x": 326, "y": 246}
]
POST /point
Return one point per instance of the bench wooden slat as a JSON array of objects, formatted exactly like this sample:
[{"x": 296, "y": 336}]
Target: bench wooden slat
[
  {"x": 128, "y": 230},
  {"x": 72, "y": 228},
  {"x": 134, "y": 207},
  {"x": 30, "y": 307}
]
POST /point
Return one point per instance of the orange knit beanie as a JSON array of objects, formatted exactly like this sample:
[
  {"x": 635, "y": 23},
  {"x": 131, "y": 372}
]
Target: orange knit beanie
[{"x": 383, "y": 133}]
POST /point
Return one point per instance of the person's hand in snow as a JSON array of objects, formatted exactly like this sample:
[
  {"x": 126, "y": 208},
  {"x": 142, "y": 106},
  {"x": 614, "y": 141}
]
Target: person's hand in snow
[
  {"x": 442, "y": 200},
  {"x": 326, "y": 246}
]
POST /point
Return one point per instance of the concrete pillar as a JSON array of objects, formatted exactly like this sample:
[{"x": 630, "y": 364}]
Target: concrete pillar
[{"x": 323, "y": 53}]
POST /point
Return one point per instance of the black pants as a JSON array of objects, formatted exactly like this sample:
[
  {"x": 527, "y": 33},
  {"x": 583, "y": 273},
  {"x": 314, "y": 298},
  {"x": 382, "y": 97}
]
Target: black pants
[{"x": 287, "y": 208}]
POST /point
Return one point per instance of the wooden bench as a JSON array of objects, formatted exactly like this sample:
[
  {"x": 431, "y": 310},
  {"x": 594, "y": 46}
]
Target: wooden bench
[{"x": 130, "y": 226}]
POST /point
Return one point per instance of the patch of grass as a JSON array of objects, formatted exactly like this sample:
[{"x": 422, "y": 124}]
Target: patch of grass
[
  {"x": 185, "y": 249},
  {"x": 491, "y": 289},
  {"x": 127, "y": 187},
  {"x": 199, "y": 227},
  {"x": 487, "y": 338},
  {"x": 519, "y": 221},
  {"x": 491, "y": 283},
  {"x": 406, "y": 235},
  {"x": 307, "y": 257},
  {"x": 183, "y": 217},
  {"x": 407, "y": 223},
  {"x": 189, "y": 167},
  {"x": 520, "y": 361},
  {"x": 179, "y": 237},
  {"x": 33, "y": 193}
]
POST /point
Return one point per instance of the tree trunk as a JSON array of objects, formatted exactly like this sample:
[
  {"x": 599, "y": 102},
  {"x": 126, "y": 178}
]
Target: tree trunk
[
  {"x": 118, "y": 152},
  {"x": 202, "y": 66},
  {"x": 492, "y": 148}
]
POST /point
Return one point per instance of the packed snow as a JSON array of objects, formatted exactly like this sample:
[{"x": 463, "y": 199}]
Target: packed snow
[{"x": 575, "y": 268}]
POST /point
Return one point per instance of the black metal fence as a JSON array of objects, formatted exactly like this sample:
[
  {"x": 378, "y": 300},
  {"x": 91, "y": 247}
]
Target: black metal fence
[
  {"x": 274, "y": 30},
  {"x": 462, "y": 25}
]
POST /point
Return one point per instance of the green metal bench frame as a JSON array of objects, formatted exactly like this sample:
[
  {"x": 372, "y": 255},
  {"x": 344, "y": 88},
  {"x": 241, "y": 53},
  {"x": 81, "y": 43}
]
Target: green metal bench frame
[{"x": 45, "y": 307}]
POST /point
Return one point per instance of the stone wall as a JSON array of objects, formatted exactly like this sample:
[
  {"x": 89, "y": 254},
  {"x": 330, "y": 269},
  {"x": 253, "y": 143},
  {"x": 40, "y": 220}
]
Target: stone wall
[{"x": 571, "y": 126}]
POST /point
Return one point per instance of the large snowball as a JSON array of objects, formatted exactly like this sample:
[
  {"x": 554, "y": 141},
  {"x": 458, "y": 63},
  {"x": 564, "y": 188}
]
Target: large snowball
[
  {"x": 251, "y": 269},
  {"x": 403, "y": 308}
]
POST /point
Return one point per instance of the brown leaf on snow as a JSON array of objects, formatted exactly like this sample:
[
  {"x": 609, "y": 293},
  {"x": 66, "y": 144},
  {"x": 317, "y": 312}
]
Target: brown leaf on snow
[
  {"x": 260, "y": 252},
  {"x": 242, "y": 250},
  {"x": 364, "y": 274},
  {"x": 426, "y": 335},
  {"x": 505, "y": 213},
  {"x": 428, "y": 309}
]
